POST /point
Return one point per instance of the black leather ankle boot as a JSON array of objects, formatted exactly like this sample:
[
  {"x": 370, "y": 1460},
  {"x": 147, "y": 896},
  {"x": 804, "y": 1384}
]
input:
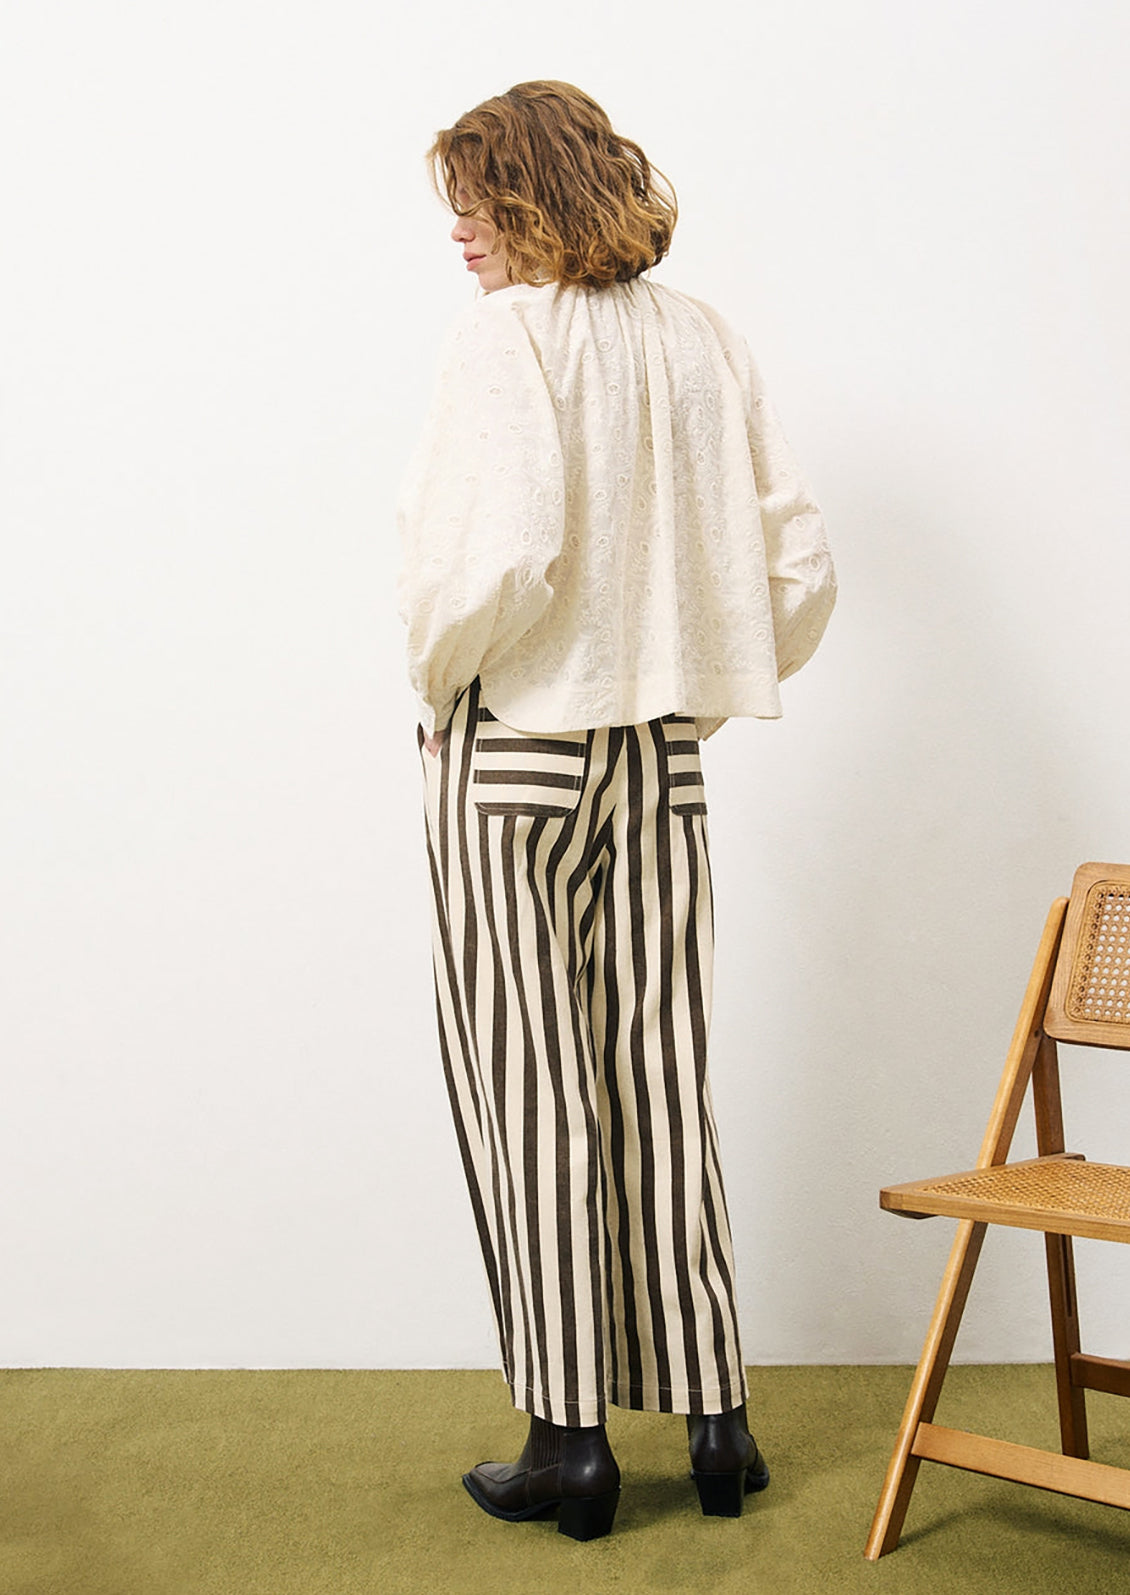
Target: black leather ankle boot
[
  {"x": 568, "y": 1471},
  {"x": 725, "y": 1462}
]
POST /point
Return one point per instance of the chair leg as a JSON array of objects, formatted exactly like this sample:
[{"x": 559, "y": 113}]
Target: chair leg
[
  {"x": 1065, "y": 1339},
  {"x": 1048, "y": 1103},
  {"x": 902, "y": 1470}
]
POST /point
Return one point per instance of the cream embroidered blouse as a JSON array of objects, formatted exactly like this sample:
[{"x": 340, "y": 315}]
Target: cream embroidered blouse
[{"x": 603, "y": 519}]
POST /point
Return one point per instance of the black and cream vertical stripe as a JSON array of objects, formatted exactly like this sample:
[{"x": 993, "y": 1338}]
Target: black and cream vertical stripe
[{"x": 573, "y": 949}]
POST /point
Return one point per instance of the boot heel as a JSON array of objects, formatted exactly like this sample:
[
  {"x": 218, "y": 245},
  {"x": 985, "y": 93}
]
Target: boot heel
[
  {"x": 720, "y": 1494},
  {"x": 587, "y": 1517}
]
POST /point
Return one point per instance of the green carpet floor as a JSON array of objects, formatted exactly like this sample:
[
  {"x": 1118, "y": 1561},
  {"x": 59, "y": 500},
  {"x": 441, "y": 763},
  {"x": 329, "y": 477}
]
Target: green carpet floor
[{"x": 310, "y": 1483}]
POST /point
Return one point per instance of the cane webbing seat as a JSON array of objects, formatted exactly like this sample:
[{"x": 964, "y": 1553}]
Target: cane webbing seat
[
  {"x": 1063, "y": 1195},
  {"x": 1079, "y": 991}
]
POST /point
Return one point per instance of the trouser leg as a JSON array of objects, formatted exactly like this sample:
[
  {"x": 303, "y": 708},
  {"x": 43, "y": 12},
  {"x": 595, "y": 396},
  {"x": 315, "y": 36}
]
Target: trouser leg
[
  {"x": 508, "y": 889},
  {"x": 675, "y": 1344}
]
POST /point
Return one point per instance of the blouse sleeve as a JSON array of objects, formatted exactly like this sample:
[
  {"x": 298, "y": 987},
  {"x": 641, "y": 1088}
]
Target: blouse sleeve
[
  {"x": 802, "y": 579},
  {"x": 481, "y": 512}
]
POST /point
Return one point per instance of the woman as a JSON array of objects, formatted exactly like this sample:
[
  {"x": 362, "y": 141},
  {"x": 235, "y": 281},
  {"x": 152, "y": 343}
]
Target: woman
[{"x": 608, "y": 552}]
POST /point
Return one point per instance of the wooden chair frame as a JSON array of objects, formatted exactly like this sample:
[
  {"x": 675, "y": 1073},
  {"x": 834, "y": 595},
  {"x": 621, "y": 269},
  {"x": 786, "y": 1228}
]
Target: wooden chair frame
[{"x": 1032, "y": 1059}]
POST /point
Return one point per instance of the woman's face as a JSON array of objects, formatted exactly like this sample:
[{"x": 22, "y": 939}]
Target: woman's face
[{"x": 482, "y": 249}]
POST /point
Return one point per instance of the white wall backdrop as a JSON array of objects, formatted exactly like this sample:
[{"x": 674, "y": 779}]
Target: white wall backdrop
[{"x": 225, "y": 1139}]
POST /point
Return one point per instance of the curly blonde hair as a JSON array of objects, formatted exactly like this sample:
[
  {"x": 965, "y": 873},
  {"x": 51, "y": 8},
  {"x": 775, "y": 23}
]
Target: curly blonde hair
[{"x": 573, "y": 201}]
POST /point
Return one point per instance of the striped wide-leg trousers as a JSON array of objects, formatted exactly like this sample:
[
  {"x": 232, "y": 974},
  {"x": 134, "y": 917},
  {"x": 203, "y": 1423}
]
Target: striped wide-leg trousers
[{"x": 573, "y": 948}]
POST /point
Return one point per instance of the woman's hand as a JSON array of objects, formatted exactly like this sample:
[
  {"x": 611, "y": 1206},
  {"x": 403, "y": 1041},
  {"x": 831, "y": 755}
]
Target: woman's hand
[{"x": 433, "y": 744}]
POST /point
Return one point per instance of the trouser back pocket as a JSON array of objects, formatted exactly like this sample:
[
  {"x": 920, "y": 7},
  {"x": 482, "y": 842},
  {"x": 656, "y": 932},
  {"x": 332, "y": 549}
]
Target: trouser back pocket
[
  {"x": 520, "y": 772},
  {"x": 685, "y": 791}
]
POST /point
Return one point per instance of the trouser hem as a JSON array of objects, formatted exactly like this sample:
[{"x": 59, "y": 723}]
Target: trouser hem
[{"x": 594, "y": 1410}]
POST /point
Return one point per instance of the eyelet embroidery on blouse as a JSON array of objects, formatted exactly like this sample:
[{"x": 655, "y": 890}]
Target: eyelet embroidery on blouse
[{"x": 602, "y": 479}]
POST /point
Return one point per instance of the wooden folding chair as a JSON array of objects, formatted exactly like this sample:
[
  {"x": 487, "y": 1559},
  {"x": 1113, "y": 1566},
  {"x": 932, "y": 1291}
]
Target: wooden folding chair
[{"x": 1079, "y": 991}]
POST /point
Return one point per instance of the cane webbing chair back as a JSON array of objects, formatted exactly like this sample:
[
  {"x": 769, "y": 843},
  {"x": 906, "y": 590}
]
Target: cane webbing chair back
[
  {"x": 1090, "y": 995},
  {"x": 1079, "y": 991}
]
